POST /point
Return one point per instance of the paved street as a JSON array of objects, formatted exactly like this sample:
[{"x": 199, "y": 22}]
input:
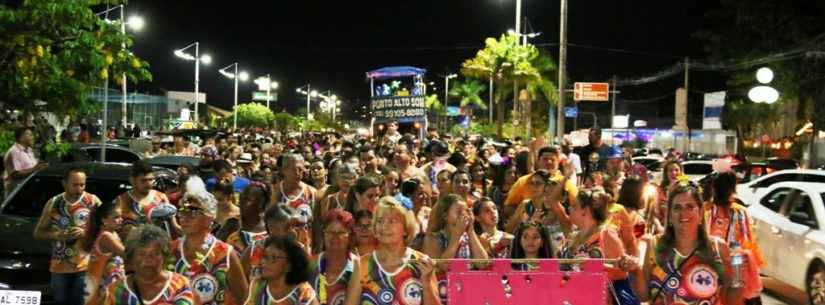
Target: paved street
[{"x": 781, "y": 294}]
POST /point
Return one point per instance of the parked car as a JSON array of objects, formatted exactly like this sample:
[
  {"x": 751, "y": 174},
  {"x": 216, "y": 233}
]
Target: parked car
[
  {"x": 697, "y": 169},
  {"x": 91, "y": 152},
  {"x": 746, "y": 191},
  {"x": 173, "y": 162},
  {"x": 788, "y": 219},
  {"x": 653, "y": 164},
  {"x": 20, "y": 252}
]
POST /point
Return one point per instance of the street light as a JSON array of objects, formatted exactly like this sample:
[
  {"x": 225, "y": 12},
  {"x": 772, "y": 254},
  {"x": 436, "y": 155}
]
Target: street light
[
  {"x": 135, "y": 23},
  {"x": 764, "y": 93},
  {"x": 243, "y": 76},
  {"x": 309, "y": 94},
  {"x": 447, "y": 88},
  {"x": 265, "y": 83},
  {"x": 206, "y": 59}
]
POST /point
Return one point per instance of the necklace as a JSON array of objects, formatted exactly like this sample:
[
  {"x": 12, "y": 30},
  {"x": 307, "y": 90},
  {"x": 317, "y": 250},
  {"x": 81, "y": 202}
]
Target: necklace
[{"x": 291, "y": 198}]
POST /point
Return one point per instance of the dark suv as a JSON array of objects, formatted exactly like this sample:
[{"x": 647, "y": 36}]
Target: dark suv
[{"x": 24, "y": 261}]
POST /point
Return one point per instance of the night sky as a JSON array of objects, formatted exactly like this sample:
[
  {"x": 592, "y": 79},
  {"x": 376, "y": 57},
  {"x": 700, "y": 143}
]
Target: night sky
[{"x": 331, "y": 44}]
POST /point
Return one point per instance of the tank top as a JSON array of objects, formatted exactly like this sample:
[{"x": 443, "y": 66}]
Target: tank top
[
  {"x": 299, "y": 205},
  {"x": 69, "y": 256},
  {"x": 104, "y": 269},
  {"x": 330, "y": 289},
  {"x": 208, "y": 275},
  {"x": 402, "y": 286},
  {"x": 259, "y": 295}
]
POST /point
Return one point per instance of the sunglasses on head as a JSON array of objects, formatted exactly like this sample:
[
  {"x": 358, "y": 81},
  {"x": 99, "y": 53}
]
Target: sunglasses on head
[{"x": 188, "y": 209}]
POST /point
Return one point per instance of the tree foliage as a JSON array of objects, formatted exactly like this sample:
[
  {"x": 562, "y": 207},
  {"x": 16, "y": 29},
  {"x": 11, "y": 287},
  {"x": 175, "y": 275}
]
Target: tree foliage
[
  {"x": 506, "y": 61},
  {"x": 752, "y": 30},
  {"x": 469, "y": 91},
  {"x": 253, "y": 115},
  {"x": 55, "y": 51}
]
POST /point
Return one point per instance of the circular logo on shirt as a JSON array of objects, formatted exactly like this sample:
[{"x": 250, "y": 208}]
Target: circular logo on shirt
[
  {"x": 412, "y": 292},
  {"x": 206, "y": 286},
  {"x": 702, "y": 281},
  {"x": 304, "y": 212},
  {"x": 672, "y": 283},
  {"x": 386, "y": 296},
  {"x": 81, "y": 216}
]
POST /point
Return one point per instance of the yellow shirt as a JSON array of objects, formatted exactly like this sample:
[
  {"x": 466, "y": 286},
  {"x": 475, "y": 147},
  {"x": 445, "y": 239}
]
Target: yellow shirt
[{"x": 520, "y": 190}]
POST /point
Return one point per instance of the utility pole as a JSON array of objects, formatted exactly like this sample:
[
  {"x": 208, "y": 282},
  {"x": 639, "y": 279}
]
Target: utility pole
[
  {"x": 613, "y": 103},
  {"x": 562, "y": 67},
  {"x": 687, "y": 102},
  {"x": 491, "y": 98},
  {"x": 518, "y": 43}
]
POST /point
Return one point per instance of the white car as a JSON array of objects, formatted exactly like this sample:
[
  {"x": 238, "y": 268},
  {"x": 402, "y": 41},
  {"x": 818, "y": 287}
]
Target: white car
[
  {"x": 653, "y": 165},
  {"x": 788, "y": 224},
  {"x": 746, "y": 191},
  {"x": 697, "y": 169}
]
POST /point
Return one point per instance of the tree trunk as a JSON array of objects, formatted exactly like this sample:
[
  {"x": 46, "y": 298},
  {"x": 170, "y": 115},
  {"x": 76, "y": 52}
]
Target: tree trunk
[{"x": 499, "y": 119}]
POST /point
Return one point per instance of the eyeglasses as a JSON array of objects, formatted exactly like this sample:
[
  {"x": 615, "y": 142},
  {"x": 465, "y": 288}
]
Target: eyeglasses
[
  {"x": 347, "y": 177},
  {"x": 188, "y": 211}
]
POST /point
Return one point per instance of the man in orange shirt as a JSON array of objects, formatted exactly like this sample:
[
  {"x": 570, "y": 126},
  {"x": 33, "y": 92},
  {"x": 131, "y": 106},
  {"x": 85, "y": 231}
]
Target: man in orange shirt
[
  {"x": 64, "y": 222},
  {"x": 548, "y": 158}
]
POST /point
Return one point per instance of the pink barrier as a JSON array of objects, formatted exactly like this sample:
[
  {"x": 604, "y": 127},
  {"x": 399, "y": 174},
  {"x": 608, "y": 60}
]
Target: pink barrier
[{"x": 546, "y": 285}]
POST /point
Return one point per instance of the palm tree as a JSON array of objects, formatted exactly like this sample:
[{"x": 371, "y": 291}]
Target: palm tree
[
  {"x": 469, "y": 91},
  {"x": 435, "y": 107},
  {"x": 506, "y": 61}
]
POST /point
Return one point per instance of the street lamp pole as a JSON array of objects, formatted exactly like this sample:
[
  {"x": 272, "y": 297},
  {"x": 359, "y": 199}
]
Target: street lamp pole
[
  {"x": 136, "y": 23},
  {"x": 268, "y": 90},
  {"x": 235, "y": 76},
  {"x": 197, "y": 82},
  {"x": 197, "y": 58},
  {"x": 124, "y": 114},
  {"x": 235, "y": 108},
  {"x": 562, "y": 69}
]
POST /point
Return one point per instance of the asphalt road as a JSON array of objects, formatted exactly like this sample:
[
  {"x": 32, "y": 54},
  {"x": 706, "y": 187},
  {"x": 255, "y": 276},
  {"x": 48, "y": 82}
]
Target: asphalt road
[{"x": 780, "y": 294}]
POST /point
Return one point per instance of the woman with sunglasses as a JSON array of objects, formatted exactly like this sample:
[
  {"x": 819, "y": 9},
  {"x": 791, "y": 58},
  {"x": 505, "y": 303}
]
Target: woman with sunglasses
[
  {"x": 213, "y": 268},
  {"x": 395, "y": 273},
  {"x": 285, "y": 272},
  {"x": 333, "y": 269},
  {"x": 544, "y": 205},
  {"x": 685, "y": 265}
]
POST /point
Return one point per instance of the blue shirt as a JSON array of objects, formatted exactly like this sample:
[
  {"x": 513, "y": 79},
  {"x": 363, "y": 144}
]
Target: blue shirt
[{"x": 239, "y": 184}]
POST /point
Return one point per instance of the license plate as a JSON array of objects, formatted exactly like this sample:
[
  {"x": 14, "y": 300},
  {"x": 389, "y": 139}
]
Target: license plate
[{"x": 19, "y": 297}]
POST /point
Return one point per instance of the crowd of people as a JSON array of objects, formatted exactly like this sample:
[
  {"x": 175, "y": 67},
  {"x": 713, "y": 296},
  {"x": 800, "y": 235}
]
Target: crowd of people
[{"x": 346, "y": 219}]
